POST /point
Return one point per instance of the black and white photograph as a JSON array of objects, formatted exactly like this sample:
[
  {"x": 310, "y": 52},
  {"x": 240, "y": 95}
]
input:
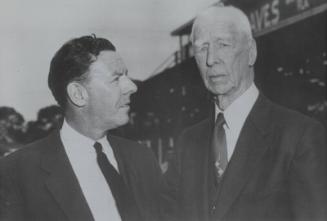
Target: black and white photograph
[{"x": 151, "y": 110}]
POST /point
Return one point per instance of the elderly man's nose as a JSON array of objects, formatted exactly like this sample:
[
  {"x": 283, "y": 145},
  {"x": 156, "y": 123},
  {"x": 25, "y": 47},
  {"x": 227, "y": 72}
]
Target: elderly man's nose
[{"x": 212, "y": 56}]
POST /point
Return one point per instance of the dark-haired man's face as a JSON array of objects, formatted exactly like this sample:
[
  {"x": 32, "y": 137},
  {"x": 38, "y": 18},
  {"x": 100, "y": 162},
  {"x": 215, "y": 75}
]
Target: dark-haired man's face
[{"x": 109, "y": 89}]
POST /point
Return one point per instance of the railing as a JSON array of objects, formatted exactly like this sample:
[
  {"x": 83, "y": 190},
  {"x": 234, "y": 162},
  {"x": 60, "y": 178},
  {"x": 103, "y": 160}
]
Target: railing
[{"x": 175, "y": 58}]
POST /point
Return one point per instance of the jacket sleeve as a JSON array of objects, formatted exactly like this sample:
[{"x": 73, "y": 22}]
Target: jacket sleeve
[
  {"x": 308, "y": 175},
  {"x": 11, "y": 203},
  {"x": 173, "y": 180}
]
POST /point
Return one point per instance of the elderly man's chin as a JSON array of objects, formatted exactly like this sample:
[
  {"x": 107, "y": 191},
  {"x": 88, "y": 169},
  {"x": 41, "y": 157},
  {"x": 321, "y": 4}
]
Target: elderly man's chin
[{"x": 218, "y": 88}]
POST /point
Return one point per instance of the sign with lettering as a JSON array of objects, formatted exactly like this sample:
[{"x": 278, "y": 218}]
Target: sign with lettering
[{"x": 270, "y": 14}]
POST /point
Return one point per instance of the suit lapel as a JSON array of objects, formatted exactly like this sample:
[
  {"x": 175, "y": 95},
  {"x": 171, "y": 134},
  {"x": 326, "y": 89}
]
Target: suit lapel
[
  {"x": 206, "y": 175},
  {"x": 200, "y": 175},
  {"x": 249, "y": 150},
  {"x": 62, "y": 182},
  {"x": 197, "y": 186},
  {"x": 128, "y": 166},
  {"x": 125, "y": 170}
]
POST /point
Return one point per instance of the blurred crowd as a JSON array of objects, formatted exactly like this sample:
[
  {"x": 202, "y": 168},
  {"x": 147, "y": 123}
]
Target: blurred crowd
[{"x": 15, "y": 132}]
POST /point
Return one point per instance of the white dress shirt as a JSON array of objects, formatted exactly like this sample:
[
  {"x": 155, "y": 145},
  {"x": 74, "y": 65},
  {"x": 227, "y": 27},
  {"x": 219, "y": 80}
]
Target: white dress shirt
[
  {"x": 83, "y": 158},
  {"x": 235, "y": 116}
]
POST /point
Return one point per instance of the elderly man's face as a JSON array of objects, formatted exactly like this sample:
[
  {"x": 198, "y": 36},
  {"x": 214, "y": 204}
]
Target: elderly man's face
[
  {"x": 109, "y": 89},
  {"x": 222, "y": 55}
]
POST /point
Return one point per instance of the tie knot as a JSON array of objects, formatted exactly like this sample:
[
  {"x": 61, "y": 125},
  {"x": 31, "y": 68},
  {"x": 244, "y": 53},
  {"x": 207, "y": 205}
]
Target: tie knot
[
  {"x": 220, "y": 119},
  {"x": 98, "y": 147}
]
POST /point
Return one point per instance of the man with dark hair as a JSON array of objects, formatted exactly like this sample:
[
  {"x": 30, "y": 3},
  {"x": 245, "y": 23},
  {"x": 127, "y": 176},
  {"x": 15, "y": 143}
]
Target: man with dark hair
[
  {"x": 81, "y": 172},
  {"x": 251, "y": 159}
]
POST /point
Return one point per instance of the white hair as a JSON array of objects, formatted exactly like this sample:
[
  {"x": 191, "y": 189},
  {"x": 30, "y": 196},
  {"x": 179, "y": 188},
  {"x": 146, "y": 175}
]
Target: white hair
[{"x": 224, "y": 13}]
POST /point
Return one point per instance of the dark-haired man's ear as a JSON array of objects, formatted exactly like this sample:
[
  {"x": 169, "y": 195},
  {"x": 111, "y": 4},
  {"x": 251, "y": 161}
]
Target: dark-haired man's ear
[
  {"x": 252, "y": 52},
  {"x": 77, "y": 94}
]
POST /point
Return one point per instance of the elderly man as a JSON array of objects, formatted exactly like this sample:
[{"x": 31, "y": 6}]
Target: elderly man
[
  {"x": 251, "y": 159},
  {"x": 81, "y": 173}
]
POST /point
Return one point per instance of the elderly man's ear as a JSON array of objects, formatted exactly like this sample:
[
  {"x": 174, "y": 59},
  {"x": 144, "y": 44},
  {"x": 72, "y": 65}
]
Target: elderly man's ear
[
  {"x": 77, "y": 94},
  {"x": 252, "y": 52}
]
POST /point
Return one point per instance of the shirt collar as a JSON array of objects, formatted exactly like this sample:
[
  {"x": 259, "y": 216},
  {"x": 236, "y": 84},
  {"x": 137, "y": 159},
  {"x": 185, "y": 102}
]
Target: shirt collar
[
  {"x": 72, "y": 137},
  {"x": 237, "y": 112},
  {"x": 104, "y": 142}
]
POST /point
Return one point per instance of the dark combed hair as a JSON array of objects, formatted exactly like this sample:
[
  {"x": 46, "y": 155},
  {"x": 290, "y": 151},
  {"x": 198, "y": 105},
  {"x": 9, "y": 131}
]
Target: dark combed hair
[{"x": 72, "y": 61}]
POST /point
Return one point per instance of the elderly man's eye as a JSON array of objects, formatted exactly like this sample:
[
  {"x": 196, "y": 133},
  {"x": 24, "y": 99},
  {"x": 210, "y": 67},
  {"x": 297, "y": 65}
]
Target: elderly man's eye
[{"x": 223, "y": 44}]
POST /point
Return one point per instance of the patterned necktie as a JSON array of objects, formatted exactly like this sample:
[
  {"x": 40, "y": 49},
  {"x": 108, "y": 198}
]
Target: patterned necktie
[
  {"x": 219, "y": 147},
  {"x": 124, "y": 201}
]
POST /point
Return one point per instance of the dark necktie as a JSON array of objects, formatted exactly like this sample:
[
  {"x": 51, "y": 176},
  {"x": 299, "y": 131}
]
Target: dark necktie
[
  {"x": 123, "y": 198},
  {"x": 219, "y": 147}
]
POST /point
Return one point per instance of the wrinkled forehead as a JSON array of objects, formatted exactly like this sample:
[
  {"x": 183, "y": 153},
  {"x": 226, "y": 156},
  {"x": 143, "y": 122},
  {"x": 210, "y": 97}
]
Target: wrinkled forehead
[
  {"x": 210, "y": 30},
  {"x": 218, "y": 23}
]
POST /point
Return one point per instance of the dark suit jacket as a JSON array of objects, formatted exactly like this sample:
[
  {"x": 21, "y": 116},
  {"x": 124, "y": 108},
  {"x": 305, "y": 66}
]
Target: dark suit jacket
[
  {"x": 37, "y": 183},
  {"x": 277, "y": 171}
]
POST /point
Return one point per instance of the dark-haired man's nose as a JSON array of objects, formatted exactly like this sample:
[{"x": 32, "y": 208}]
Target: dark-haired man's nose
[{"x": 128, "y": 85}]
